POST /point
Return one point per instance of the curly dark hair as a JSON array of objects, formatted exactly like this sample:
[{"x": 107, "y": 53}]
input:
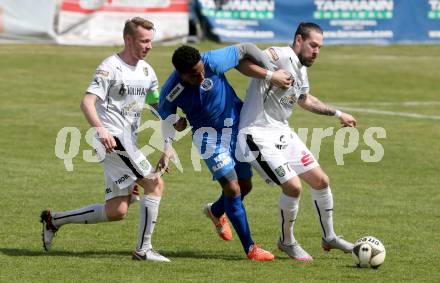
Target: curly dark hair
[{"x": 185, "y": 58}]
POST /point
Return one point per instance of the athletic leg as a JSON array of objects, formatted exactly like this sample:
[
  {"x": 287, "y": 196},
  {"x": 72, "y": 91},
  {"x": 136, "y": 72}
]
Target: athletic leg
[
  {"x": 322, "y": 199},
  {"x": 148, "y": 209}
]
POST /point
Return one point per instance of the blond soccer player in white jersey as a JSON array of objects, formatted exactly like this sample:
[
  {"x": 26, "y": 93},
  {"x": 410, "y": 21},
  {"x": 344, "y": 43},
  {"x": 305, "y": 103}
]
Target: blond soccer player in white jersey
[
  {"x": 277, "y": 153},
  {"x": 113, "y": 105}
]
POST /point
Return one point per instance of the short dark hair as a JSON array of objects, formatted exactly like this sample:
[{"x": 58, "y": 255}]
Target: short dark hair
[
  {"x": 185, "y": 58},
  {"x": 132, "y": 24},
  {"x": 304, "y": 29}
]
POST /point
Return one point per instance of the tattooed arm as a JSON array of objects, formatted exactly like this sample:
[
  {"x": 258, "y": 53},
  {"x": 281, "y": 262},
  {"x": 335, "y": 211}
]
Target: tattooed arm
[{"x": 313, "y": 104}]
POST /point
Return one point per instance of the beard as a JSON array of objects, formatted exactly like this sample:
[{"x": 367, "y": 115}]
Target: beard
[{"x": 304, "y": 61}]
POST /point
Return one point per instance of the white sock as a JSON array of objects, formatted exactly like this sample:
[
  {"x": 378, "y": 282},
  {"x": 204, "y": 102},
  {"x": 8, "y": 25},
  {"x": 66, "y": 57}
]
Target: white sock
[
  {"x": 323, "y": 204},
  {"x": 86, "y": 215},
  {"x": 149, "y": 208},
  {"x": 288, "y": 211}
]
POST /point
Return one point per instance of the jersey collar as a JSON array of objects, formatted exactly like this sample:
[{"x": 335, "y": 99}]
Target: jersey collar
[{"x": 294, "y": 57}]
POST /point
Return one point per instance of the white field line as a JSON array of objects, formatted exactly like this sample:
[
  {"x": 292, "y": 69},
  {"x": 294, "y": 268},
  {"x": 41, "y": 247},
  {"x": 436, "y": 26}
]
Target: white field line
[
  {"x": 406, "y": 103},
  {"x": 382, "y": 57},
  {"x": 390, "y": 113}
]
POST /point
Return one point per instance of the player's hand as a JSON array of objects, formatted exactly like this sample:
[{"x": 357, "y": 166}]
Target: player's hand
[
  {"x": 106, "y": 139},
  {"x": 282, "y": 79},
  {"x": 162, "y": 164},
  {"x": 347, "y": 120},
  {"x": 181, "y": 124}
]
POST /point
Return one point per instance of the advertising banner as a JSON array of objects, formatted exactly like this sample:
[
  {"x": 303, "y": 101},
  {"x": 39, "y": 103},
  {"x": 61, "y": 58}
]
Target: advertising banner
[
  {"x": 343, "y": 21},
  {"x": 101, "y": 21},
  {"x": 27, "y": 20},
  {"x": 88, "y": 22}
]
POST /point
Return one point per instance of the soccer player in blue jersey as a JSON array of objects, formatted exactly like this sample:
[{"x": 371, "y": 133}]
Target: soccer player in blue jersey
[{"x": 198, "y": 87}]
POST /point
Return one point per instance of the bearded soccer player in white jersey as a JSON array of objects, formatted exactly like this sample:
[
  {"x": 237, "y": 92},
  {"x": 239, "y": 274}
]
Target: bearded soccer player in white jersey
[
  {"x": 278, "y": 154},
  {"x": 113, "y": 104}
]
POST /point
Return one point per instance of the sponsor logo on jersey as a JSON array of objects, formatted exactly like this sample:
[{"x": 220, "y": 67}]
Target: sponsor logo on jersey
[
  {"x": 132, "y": 110},
  {"x": 273, "y": 54},
  {"x": 102, "y": 73},
  {"x": 207, "y": 84},
  {"x": 280, "y": 171},
  {"x": 174, "y": 93},
  {"x": 281, "y": 146},
  {"x": 132, "y": 90},
  {"x": 135, "y": 90},
  {"x": 306, "y": 159},
  {"x": 283, "y": 139},
  {"x": 122, "y": 90},
  {"x": 122, "y": 179},
  {"x": 146, "y": 71}
]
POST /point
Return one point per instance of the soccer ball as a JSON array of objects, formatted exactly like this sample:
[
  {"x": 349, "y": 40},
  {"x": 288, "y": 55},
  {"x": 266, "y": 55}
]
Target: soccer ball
[{"x": 368, "y": 251}]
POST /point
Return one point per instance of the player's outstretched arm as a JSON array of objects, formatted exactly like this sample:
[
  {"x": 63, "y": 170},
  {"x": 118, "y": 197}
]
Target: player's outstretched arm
[
  {"x": 162, "y": 164},
  {"x": 313, "y": 104},
  {"x": 251, "y": 52},
  {"x": 168, "y": 132}
]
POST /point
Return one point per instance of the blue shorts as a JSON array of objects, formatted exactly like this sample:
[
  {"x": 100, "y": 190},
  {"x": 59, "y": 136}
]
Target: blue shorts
[{"x": 217, "y": 148}]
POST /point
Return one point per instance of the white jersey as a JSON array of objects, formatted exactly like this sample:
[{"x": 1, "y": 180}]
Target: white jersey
[
  {"x": 270, "y": 108},
  {"x": 122, "y": 90}
]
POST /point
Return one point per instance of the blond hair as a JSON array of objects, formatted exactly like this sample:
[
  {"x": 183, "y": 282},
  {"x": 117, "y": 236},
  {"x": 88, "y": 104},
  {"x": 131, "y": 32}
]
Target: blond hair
[{"x": 132, "y": 24}]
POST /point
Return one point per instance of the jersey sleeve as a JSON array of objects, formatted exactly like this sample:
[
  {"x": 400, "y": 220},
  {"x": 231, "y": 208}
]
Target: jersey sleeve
[
  {"x": 274, "y": 56},
  {"x": 101, "y": 81},
  {"x": 166, "y": 105},
  {"x": 223, "y": 59},
  {"x": 305, "y": 86}
]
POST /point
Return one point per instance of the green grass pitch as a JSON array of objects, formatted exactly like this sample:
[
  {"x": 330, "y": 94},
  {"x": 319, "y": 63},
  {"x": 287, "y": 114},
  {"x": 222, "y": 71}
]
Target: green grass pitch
[{"x": 396, "y": 199}]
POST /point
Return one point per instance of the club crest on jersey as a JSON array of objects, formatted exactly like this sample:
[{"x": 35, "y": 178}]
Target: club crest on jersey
[
  {"x": 172, "y": 95},
  {"x": 288, "y": 100},
  {"x": 280, "y": 171},
  {"x": 207, "y": 84},
  {"x": 144, "y": 165},
  {"x": 292, "y": 94},
  {"x": 146, "y": 71}
]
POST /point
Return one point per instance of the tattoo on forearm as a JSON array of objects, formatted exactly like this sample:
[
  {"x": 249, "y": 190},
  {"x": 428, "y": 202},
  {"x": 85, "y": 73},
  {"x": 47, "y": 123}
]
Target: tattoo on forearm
[
  {"x": 319, "y": 107},
  {"x": 302, "y": 97}
]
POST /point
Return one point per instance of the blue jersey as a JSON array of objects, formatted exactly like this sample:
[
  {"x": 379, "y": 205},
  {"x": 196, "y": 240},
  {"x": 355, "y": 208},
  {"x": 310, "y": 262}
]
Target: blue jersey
[{"x": 209, "y": 104}]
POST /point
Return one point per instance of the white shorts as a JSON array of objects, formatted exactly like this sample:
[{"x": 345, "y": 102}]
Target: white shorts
[
  {"x": 112, "y": 190},
  {"x": 123, "y": 167},
  {"x": 277, "y": 157}
]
